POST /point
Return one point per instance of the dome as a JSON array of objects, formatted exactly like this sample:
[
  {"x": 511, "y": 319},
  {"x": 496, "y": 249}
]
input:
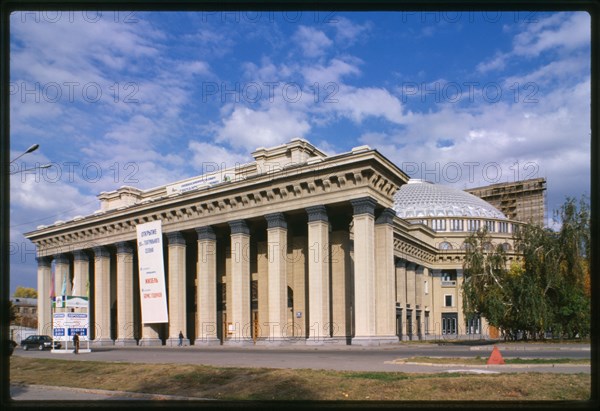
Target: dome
[{"x": 420, "y": 198}]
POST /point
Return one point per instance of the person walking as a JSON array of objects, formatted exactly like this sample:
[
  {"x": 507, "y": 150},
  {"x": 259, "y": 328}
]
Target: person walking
[
  {"x": 180, "y": 339},
  {"x": 76, "y": 342}
]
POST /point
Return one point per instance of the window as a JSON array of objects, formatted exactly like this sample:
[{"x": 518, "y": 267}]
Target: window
[
  {"x": 449, "y": 323},
  {"x": 473, "y": 225},
  {"x": 474, "y": 324},
  {"x": 448, "y": 278},
  {"x": 448, "y": 300},
  {"x": 502, "y": 227},
  {"x": 457, "y": 225},
  {"x": 438, "y": 224},
  {"x": 490, "y": 226},
  {"x": 506, "y": 247},
  {"x": 445, "y": 245}
]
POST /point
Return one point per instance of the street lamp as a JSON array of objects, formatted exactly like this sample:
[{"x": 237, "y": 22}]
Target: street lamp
[
  {"x": 30, "y": 169},
  {"x": 29, "y": 150}
]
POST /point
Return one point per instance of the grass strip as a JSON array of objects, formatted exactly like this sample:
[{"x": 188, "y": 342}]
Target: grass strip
[{"x": 297, "y": 384}]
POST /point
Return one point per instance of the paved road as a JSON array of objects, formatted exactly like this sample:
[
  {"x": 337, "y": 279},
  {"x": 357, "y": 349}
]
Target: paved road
[{"x": 345, "y": 358}]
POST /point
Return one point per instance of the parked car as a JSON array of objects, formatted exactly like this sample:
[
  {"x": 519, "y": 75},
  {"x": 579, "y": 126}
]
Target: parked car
[{"x": 40, "y": 342}]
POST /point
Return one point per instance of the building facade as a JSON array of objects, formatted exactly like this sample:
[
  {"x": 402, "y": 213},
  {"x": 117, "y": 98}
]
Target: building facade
[
  {"x": 521, "y": 200},
  {"x": 295, "y": 247}
]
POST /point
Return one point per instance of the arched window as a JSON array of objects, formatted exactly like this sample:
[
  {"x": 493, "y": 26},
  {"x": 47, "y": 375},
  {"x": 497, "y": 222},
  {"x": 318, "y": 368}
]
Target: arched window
[{"x": 445, "y": 245}]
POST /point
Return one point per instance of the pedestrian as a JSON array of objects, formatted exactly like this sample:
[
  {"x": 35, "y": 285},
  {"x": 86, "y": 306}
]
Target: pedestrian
[
  {"x": 180, "y": 338},
  {"x": 76, "y": 342}
]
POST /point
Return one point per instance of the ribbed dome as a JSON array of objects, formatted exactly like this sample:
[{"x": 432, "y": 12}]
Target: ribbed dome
[{"x": 419, "y": 198}]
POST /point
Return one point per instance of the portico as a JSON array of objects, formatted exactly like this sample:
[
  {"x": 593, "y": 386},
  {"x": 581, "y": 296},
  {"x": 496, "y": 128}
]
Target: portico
[{"x": 295, "y": 247}]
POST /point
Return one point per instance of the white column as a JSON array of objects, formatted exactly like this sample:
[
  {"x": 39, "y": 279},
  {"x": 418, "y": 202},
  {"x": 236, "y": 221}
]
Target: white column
[
  {"x": 385, "y": 308},
  {"x": 81, "y": 271},
  {"x": 44, "y": 279},
  {"x": 102, "y": 296},
  {"x": 341, "y": 286},
  {"x": 276, "y": 277},
  {"x": 318, "y": 275},
  {"x": 411, "y": 328},
  {"x": 240, "y": 285},
  {"x": 206, "y": 288},
  {"x": 401, "y": 293},
  {"x": 125, "y": 296},
  {"x": 364, "y": 270},
  {"x": 62, "y": 282},
  {"x": 177, "y": 300},
  {"x": 419, "y": 307},
  {"x": 401, "y": 282}
]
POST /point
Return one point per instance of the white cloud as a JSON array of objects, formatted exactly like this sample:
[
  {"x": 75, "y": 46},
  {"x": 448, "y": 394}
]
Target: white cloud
[
  {"x": 210, "y": 157},
  {"x": 359, "y": 103},
  {"x": 330, "y": 73},
  {"x": 348, "y": 32},
  {"x": 555, "y": 32},
  {"x": 312, "y": 42},
  {"x": 249, "y": 129}
]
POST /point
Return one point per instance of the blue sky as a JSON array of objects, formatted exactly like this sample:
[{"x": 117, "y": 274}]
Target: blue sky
[{"x": 144, "y": 99}]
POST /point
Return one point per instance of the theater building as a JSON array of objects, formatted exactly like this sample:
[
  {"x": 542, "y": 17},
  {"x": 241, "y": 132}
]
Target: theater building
[{"x": 296, "y": 247}]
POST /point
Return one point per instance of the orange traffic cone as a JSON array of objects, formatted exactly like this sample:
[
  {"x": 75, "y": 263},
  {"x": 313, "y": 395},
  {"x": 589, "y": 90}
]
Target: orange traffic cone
[{"x": 495, "y": 357}]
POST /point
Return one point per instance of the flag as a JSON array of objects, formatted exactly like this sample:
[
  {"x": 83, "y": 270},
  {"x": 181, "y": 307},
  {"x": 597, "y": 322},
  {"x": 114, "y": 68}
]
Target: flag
[
  {"x": 52, "y": 292},
  {"x": 64, "y": 285},
  {"x": 74, "y": 290}
]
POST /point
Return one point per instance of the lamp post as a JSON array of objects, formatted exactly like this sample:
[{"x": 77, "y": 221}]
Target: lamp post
[{"x": 29, "y": 150}]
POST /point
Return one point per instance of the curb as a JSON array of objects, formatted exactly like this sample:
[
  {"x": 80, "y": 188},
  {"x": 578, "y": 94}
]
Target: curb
[
  {"x": 492, "y": 366},
  {"x": 526, "y": 348}
]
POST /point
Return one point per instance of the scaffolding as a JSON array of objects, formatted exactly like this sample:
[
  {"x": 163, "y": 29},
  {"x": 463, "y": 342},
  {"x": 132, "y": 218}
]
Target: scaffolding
[{"x": 523, "y": 201}]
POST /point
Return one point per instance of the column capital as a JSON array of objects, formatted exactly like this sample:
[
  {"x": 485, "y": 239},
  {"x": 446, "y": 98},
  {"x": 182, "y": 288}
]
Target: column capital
[
  {"x": 276, "y": 220},
  {"x": 61, "y": 259},
  {"x": 239, "y": 227},
  {"x": 80, "y": 255},
  {"x": 44, "y": 261},
  {"x": 317, "y": 213},
  {"x": 124, "y": 247},
  {"x": 400, "y": 263},
  {"x": 419, "y": 270},
  {"x": 410, "y": 266},
  {"x": 175, "y": 238},
  {"x": 386, "y": 216},
  {"x": 365, "y": 205},
  {"x": 206, "y": 233},
  {"x": 101, "y": 251}
]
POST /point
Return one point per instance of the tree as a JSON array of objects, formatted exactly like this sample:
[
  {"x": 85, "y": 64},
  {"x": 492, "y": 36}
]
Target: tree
[
  {"x": 548, "y": 290},
  {"x": 25, "y": 292},
  {"x": 12, "y": 312}
]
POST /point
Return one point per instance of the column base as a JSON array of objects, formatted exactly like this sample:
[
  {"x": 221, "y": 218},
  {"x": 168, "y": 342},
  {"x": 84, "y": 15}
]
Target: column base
[
  {"x": 239, "y": 342},
  {"x": 207, "y": 341},
  {"x": 150, "y": 342},
  {"x": 374, "y": 340},
  {"x": 102, "y": 342},
  {"x": 125, "y": 342},
  {"x": 174, "y": 342},
  {"x": 274, "y": 341}
]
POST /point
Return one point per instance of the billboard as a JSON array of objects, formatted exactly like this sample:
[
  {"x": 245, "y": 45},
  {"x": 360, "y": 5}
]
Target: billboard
[
  {"x": 153, "y": 294},
  {"x": 66, "y": 325}
]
